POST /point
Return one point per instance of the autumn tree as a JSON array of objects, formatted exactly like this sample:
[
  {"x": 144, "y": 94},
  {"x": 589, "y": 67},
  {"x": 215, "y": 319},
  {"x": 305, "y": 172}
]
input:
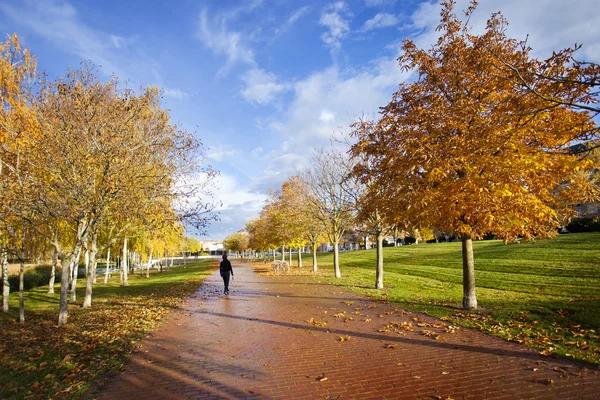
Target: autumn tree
[
  {"x": 292, "y": 209},
  {"x": 332, "y": 203},
  {"x": 17, "y": 68},
  {"x": 237, "y": 241},
  {"x": 469, "y": 148},
  {"x": 368, "y": 200},
  {"x": 94, "y": 152}
]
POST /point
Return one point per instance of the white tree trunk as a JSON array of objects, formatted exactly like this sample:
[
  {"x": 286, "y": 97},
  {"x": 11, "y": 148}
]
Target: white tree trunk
[
  {"x": 86, "y": 256},
  {"x": 149, "y": 264},
  {"x": 379, "y": 273},
  {"x": 290, "y": 251},
  {"x": 107, "y": 266},
  {"x": 469, "y": 296},
  {"x": 75, "y": 269},
  {"x": 21, "y": 288},
  {"x": 282, "y": 252},
  {"x": 336, "y": 257},
  {"x": 299, "y": 257},
  {"x": 92, "y": 251},
  {"x": 5, "y": 283},
  {"x": 314, "y": 253},
  {"x": 66, "y": 273},
  {"x": 53, "y": 271},
  {"x": 95, "y": 267},
  {"x": 124, "y": 264}
]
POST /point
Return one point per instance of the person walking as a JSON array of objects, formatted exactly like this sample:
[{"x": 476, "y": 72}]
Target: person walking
[{"x": 225, "y": 270}]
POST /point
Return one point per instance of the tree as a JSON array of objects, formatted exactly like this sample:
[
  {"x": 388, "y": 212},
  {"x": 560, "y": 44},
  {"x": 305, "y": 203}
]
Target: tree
[
  {"x": 291, "y": 207},
  {"x": 331, "y": 201},
  {"x": 17, "y": 68},
  {"x": 368, "y": 199},
  {"x": 237, "y": 241},
  {"x": 468, "y": 148}
]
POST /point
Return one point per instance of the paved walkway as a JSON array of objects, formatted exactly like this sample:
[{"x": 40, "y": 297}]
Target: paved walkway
[{"x": 289, "y": 337}]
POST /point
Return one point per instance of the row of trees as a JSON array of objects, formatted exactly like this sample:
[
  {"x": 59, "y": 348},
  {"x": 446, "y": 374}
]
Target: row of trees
[
  {"x": 86, "y": 164},
  {"x": 486, "y": 140}
]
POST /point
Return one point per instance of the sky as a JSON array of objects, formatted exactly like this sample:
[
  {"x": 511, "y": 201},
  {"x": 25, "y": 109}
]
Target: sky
[{"x": 264, "y": 82}]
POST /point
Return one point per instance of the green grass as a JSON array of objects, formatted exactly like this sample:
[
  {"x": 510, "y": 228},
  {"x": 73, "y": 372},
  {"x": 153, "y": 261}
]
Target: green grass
[
  {"x": 544, "y": 294},
  {"x": 40, "y": 360}
]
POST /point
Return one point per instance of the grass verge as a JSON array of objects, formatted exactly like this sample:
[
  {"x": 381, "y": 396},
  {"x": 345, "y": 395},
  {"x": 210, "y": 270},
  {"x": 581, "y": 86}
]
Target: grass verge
[
  {"x": 544, "y": 294},
  {"x": 39, "y": 360}
]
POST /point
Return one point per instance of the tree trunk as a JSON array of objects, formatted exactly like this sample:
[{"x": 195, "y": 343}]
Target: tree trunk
[
  {"x": 379, "y": 274},
  {"x": 64, "y": 290},
  {"x": 66, "y": 273},
  {"x": 21, "y": 288},
  {"x": 336, "y": 257},
  {"x": 107, "y": 266},
  {"x": 75, "y": 269},
  {"x": 149, "y": 263},
  {"x": 283, "y": 252},
  {"x": 5, "y": 283},
  {"x": 92, "y": 251},
  {"x": 314, "y": 254},
  {"x": 53, "y": 271},
  {"x": 95, "y": 268},
  {"x": 469, "y": 298},
  {"x": 125, "y": 281},
  {"x": 299, "y": 257},
  {"x": 290, "y": 251},
  {"x": 86, "y": 257}
]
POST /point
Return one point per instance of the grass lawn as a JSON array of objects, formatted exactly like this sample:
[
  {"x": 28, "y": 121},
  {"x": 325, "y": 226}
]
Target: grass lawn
[
  {"x": 544, "y": 294},
  {"x": 40, "y": 360}
]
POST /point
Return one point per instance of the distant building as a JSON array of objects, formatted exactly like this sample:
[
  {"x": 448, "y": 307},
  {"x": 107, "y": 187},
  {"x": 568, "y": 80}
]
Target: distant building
[{"x": 213, "y": 247}]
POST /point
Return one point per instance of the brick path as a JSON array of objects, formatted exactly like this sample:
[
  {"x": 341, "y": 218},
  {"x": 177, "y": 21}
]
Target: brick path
[{"x": 259, "y": 343}]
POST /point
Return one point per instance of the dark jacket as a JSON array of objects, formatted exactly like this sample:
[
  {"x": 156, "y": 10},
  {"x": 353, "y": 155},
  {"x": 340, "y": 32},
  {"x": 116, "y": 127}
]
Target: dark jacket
[{"x": 226, "y": 267}]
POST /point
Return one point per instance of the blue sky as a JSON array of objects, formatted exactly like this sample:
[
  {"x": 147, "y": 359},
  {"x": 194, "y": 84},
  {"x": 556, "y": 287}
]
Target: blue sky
[{"x": 263, "y": 82}]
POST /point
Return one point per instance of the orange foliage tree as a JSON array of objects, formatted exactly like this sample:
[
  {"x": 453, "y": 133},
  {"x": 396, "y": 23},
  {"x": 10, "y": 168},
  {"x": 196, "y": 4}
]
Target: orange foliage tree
[{"x": 468, "y": 147}]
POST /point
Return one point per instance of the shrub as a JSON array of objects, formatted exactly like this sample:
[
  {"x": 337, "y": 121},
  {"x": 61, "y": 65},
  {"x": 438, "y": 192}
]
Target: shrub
[
  {"x": 34, "y": 277},
  {"x": 584, "y": 225}
]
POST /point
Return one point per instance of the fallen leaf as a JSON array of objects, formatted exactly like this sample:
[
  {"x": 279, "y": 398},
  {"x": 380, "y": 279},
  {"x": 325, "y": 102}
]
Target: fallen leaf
[{"x": 322, "y": 378}]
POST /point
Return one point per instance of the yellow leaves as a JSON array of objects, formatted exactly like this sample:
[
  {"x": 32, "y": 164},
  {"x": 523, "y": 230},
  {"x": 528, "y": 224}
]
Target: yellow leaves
[
  {"x": 431, "y": 334},
  {"x": 316, "y": 323},
  {"x": 344, "y": 338}
]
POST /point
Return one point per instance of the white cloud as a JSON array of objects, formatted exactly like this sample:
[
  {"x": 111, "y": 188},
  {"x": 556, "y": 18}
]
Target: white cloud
[
  {"x": 59, "y": 23},
  {"x": 175, "y": 93},
  {"x": 381, "y": 20},
  {"x": 120, "y": 42},
  {"x": 221, "y": 154},
  {"x": 261, "y": 87},
  {"x": 223, "y": 41},
  {"x": 239, "y": 204},
  {"x": 258, "y": 151},
  {"x": 292, "y": 19},
  {"x": 325, "y": 103},
  {"x": 326, "y": 116},
  {"x": 549, "y": 25},
  {"x": 296, "y": 15},
  {"x": 335, "y": 17}
]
